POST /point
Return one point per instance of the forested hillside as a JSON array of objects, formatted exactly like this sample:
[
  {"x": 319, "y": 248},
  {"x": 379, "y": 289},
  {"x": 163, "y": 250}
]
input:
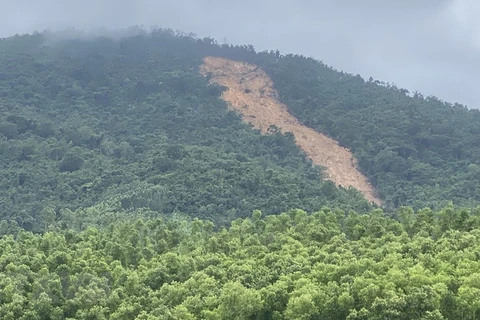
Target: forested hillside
[
  {"x": 416, "y": 150},
  {"x": 132, "y": 124},
  {"x": 327, "y": 265}
]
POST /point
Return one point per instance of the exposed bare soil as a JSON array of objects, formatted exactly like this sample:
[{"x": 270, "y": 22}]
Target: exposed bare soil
[{"x": 251, "y": 93}]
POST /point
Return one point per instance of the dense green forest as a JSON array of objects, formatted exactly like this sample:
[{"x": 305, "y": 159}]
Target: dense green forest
[
  {"x": 132, "y": 124},
  {"x": 327, "y": 265},
  {"x": 417, "y": 151}
]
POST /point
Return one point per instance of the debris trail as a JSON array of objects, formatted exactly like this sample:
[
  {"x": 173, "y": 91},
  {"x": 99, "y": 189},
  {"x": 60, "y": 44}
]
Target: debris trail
[{"x": 251, "y": 93}]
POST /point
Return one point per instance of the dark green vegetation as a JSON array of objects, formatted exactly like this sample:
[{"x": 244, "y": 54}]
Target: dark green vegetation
[
  {"x": 327, "y": 265},
  {"x": 416, "y": 151},
  {"x": 132, "y": 124}
]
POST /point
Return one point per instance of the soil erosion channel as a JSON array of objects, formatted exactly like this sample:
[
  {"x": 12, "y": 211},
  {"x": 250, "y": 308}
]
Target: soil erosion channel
[{"x": 251, "y": 93}]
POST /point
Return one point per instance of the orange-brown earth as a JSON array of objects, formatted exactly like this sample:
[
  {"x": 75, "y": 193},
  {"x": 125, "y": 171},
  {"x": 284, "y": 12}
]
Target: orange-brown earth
[{"x": 251, "y": 93}]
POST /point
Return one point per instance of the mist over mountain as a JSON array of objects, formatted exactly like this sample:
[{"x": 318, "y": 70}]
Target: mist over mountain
[{"x": 427, "y": 46}]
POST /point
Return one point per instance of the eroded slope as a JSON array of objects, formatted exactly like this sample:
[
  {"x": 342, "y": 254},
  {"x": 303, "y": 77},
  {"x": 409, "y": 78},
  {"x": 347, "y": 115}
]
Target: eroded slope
[{"x": 252, "y": 94}]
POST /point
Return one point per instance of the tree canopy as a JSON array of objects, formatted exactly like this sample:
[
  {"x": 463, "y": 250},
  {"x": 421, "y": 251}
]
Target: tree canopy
[{"x": 326, "y": 265}]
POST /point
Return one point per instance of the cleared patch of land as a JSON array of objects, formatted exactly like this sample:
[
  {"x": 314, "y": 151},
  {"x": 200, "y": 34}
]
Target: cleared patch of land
[{"x": 251, "y": 93}]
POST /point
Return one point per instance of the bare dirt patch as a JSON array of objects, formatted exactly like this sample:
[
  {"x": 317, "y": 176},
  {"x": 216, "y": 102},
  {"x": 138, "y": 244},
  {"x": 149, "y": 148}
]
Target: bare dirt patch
[{"x": 251, "y": 93}]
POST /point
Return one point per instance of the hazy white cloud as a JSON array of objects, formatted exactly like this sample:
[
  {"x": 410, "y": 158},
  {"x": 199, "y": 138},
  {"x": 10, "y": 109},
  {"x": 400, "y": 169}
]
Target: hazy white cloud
[
  {"x": 429, "y": 45},
  {"x": 463, "y": 15}
]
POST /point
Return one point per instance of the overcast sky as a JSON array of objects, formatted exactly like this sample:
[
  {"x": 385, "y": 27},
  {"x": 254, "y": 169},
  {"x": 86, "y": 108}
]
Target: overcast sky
[{"x": 431, "y": 46}]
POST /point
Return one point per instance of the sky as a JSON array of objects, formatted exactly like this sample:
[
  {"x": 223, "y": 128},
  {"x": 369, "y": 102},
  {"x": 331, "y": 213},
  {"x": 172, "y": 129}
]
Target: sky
[{"x": 430, "y": 46}]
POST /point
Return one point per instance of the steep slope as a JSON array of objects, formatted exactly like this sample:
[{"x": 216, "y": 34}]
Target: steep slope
[
  {"x": 416, "y": 151},
  {"x": 252, "y": 94},
  {"x": 131, "y": 124}
]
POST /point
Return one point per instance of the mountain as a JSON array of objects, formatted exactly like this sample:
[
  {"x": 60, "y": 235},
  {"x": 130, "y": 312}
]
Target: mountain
[
  {"x": 415, "y": 150},
  {"x": 132, "y": 123},
  {"x": 157, "y": 175}
]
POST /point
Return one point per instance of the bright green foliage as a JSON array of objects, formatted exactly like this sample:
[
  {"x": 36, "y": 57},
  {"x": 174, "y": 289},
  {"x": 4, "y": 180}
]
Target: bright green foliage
[{"x": 327, "y": 265}]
